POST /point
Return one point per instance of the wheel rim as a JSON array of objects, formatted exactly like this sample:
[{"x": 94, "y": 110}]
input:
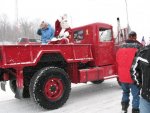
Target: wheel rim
[{"x": 54, "y": 89}]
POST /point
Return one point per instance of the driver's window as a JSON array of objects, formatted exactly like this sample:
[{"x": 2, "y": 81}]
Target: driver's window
[{"x": 105, "y": 35}]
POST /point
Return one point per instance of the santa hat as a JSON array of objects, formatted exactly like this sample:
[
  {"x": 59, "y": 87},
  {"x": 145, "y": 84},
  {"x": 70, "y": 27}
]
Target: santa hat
[{"x": 64, "y": 17}]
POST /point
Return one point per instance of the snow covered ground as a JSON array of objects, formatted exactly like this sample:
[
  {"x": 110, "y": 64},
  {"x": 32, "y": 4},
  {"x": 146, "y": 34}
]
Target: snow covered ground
[{"x": 84, "y": 98}]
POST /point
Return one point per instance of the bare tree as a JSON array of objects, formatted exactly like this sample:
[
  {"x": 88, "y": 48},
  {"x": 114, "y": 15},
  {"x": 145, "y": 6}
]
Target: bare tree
[
  {"x": 11, "y": 32},
  {"x": 35, "y": 26},
  {"x": 7, "y": 31},
  {"x": 27, "y": 29},
  {"x": 4, "y": 25}
]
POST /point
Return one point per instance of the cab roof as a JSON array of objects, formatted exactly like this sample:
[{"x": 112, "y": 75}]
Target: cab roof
[{"x": 95, "y": 24}]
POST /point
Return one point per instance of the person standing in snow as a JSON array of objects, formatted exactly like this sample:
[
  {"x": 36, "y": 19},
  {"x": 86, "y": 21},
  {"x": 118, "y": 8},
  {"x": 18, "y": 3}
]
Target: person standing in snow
[
  {"x": 46, "y": 32},
  {"x": 140, "y": 72},
  {"x": 124, "y": 58}
]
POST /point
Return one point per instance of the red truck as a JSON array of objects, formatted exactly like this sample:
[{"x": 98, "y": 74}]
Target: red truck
[{"x": 45, "y": 72}]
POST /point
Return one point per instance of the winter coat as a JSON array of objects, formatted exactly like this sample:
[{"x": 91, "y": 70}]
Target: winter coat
[
  {"x": 46, "y": 34},
  {"x": 124, "y": 58},
  {"x": 140, "y": 71},
  {"x": 133, "y": 41}
]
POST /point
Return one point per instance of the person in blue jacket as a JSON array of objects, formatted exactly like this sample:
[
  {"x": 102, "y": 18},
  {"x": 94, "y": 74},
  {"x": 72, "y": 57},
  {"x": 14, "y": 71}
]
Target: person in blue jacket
[{"x": 46, "y": 32}]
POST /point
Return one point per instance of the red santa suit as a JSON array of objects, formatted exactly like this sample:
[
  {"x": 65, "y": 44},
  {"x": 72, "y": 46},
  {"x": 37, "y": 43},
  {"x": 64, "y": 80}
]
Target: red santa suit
[
  {"x": 57, "y": 28},
  {"x": 62, "y": 28}
]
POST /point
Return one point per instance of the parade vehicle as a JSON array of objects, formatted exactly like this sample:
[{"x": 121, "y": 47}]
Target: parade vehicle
[{"x": 45, "y": 72}]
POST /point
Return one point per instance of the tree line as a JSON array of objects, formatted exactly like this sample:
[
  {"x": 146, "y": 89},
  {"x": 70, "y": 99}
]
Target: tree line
[{"x": 21, "y": 29}]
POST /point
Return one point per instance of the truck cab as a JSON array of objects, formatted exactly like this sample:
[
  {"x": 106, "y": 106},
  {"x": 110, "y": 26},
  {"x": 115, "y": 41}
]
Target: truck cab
[{"x": 100, "y": 36}]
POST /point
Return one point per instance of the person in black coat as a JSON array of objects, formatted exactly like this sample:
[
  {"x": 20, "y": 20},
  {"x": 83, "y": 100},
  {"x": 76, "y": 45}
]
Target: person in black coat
[{"x": 140, "y": 72}]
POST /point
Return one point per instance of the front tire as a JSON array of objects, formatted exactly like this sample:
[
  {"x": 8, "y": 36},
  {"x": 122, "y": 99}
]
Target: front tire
[{"x": 50, "y": 87}]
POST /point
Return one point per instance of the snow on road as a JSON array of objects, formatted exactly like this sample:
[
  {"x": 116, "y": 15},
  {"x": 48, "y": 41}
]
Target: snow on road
[{"x": 84, "y": 98}]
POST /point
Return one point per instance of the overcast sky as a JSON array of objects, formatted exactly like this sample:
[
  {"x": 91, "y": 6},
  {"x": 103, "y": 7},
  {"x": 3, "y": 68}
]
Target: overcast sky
[{"x": 83, "y": 12}]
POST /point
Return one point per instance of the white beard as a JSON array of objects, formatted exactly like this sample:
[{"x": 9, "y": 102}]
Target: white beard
[{"x": 64, "y": 24}]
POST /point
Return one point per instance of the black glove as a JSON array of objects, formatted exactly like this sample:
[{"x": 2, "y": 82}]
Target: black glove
[{"x": 39, "y": 32}]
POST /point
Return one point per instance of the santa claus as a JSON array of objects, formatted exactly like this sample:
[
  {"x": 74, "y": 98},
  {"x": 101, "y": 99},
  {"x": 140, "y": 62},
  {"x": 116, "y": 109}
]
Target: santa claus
[{"x": 62, "y": 29}]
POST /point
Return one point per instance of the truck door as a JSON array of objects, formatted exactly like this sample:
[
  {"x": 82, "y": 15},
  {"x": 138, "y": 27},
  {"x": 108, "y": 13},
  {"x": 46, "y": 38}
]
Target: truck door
[{"x": 105, "y": 49}]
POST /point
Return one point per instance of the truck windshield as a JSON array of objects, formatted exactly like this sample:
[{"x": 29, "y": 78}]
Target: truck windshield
[{"x": 105, "y": 35}]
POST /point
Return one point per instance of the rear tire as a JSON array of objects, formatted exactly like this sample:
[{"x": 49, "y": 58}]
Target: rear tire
[
  {"x": 12, "y": 84},
  {"x": 98, "y": 81},
  {"x": 13, "y": 88},
  {"x": 50, "y": 87}
]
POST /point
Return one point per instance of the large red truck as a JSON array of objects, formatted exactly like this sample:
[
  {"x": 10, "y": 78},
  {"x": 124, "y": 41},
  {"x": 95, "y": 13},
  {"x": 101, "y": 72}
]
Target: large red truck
[{"x": 45, "y": 72}]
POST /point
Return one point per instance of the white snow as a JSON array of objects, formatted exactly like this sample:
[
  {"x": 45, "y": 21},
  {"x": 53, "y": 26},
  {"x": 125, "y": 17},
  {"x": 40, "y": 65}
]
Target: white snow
[{"x": 84, "y": 98}]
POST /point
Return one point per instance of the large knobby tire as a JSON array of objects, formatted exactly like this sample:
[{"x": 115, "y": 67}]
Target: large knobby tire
[
  {"x": 13, "y": 87},
  {"x": 50, "y": 87},
  {"x": 98, "y": 81},
  {"x": 12, "y": 84}
]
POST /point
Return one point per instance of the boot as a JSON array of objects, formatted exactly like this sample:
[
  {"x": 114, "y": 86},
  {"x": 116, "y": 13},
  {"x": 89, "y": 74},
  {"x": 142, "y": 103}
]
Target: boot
[
  {"x": 135, "y": 110},
  {"x": 123, "y": 111},
  {"x": 125, "y": 106}
]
